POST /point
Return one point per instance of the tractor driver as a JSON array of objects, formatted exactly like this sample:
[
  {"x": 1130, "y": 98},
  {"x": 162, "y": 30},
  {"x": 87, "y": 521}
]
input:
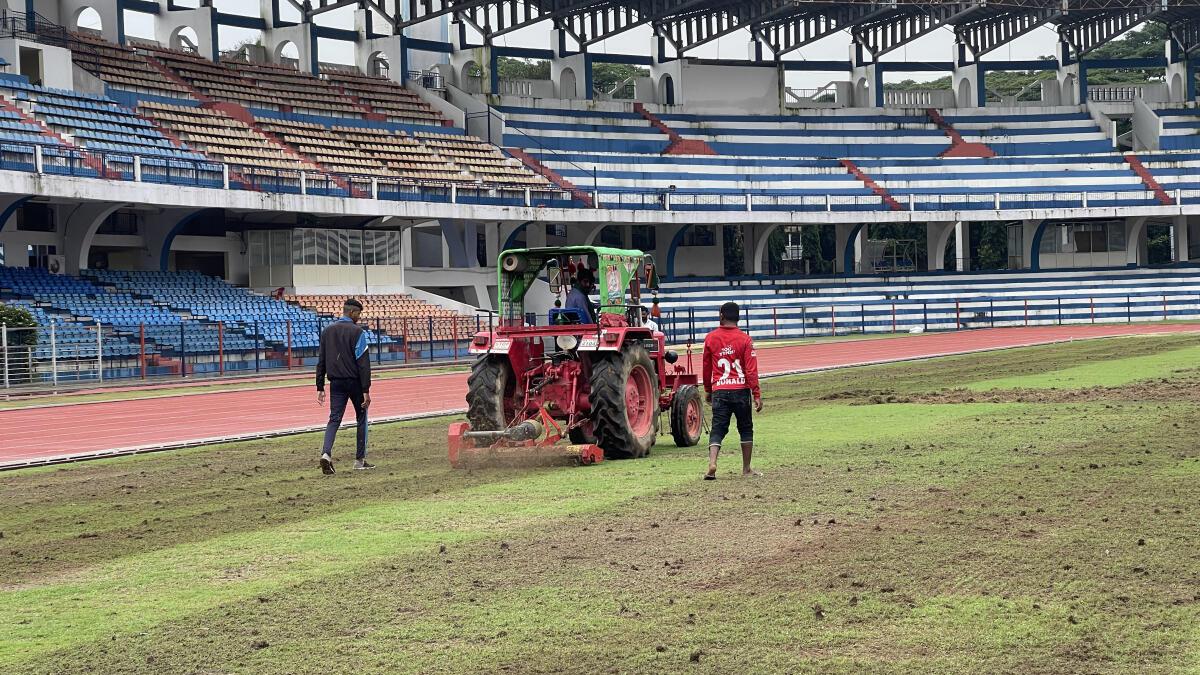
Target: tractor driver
[{"x": 577, "y": 298}]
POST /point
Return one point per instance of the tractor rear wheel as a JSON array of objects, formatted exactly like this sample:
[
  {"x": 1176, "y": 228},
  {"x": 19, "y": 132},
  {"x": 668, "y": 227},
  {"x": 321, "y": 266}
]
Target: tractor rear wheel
[
  {"x": 624, "y": 400},
  {"x": 490, "y": 390},
  {"x": 687, "y": 416}
]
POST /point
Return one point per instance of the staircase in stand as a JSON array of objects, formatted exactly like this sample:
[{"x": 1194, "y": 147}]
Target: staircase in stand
[
  {"x": 551, "y": 175},
  {"x": 1148, "y": 180},
  {"x": 958, "y": 146},
  {"x": 872, "y": 185},
  {"x": 679, "y": 145}
]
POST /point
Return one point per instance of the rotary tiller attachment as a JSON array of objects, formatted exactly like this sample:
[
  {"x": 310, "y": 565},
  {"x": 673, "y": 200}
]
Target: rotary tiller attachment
[{"x": 516, "y": 446}]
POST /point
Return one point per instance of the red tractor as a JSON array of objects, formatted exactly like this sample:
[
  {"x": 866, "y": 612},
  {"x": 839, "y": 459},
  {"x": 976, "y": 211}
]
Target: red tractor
[{"x": 599, "y": 378}]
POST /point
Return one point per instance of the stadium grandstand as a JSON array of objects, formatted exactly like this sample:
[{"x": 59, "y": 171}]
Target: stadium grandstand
[{"x": 172, "y": 203}]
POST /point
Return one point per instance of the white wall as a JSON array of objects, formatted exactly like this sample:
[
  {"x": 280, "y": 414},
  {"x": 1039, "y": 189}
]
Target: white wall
[
  {"x": 347, "y": 279},
  {"x": 57, "y": 69},
  {"x": 733, "y": 88}
]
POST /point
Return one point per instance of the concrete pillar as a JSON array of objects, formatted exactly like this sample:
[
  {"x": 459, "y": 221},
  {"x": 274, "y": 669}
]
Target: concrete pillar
[
  {"x": 535, "y": 235},
  {"x": 937, "y": 237},
  {"x": 750, "y": 235},
  {"x": 1029, "y": 229},
  {"x": 758, "y": 260},
  {"x": 1137, "y": 250},
  {"x": 1181, "y": 86},
  {"x": 853, "y": 235},
  {"x": 301, "y": 35},
  {"x": 159, "y": 231},
  {"x": 170, "y": 22},
  {"x": 962, "y": 246},
  {"x": 867, "y": 83},
  {"x": 571, "y": 73},
  {"x": 112, "y": 23},
  {"x": 1072, "y": 78},
  {"x": 79, "y": 230},
  {"x": 461, "y": 61},
  {"x": 1180, "y": 237},
  {"x": 967, "y": 79}
]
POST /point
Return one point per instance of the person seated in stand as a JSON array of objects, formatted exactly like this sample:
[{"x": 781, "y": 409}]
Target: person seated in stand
[{"x": 577, "y": 298}]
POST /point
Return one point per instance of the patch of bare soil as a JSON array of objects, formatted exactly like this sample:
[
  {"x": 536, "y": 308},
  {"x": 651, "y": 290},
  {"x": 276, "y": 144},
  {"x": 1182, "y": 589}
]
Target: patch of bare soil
[{"x": 1155, "y": 391}]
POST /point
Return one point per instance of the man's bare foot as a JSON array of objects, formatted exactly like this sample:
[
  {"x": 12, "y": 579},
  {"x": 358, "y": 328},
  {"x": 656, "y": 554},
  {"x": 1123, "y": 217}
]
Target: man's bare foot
[
  {"x": 751, "y": 472},
  {"x": 712, "y": 473}
]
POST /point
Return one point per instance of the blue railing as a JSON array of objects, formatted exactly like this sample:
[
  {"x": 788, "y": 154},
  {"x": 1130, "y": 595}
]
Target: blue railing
[
  {"x": 766, "y": 321},
  {"x": 128, "y": 166}
]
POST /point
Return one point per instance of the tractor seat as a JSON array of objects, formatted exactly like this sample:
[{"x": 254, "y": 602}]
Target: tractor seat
[{"x": 559, "y": 316}]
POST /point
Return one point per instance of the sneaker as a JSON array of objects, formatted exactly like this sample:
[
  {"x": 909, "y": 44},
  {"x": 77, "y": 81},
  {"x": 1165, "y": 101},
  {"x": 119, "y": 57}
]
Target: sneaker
[
  {"x": 363, "y": 464},
  {"x": 326, "y": 465}
]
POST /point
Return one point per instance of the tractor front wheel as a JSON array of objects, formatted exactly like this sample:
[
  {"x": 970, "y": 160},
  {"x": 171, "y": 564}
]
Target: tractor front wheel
[
  {"x": 687, "y": 416},
  {"x": 490, "y": 394},
  {"x": 624, "y": 402}
]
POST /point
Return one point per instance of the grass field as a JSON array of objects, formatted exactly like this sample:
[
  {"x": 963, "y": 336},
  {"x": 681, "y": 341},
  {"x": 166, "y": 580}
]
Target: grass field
[{"x": 1031, "y": 510}]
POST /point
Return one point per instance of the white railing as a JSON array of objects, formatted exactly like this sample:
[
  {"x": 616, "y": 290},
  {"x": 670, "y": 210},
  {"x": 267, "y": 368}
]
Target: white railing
[
  {"x": 824, "y": 95},
  {"x": 1115, "y": 93},
  {"x": 919, "y": 98}
]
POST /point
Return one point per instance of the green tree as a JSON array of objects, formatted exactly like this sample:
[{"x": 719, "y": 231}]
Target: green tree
[
  {"x": 605, "y": 76},
  {"x": 21, "y": 341},
  {"x": 1146, "y": 41},
  {"x": 522, "y": 69}
]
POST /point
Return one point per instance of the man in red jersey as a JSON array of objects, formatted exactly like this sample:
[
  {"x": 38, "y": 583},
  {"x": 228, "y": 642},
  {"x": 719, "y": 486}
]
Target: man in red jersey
[{"x": 730, "y": 381}]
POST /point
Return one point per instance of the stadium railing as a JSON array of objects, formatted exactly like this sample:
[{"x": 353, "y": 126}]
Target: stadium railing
[
  {"x": 133, "y": 167},
  {"x": 37, "y": 358},
  {"x": 686, "y": 325},
  {"x": 34, "y": 358}
]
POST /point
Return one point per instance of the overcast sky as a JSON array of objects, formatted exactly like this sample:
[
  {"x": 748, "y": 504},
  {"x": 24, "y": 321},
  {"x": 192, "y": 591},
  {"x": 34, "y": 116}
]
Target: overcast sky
[{"x": 936, "y": 46}]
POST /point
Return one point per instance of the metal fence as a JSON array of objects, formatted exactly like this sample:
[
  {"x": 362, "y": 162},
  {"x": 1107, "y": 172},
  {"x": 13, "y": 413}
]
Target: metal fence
[
  {"x": 63, "y": 353},
  {"x": 789, "y": 321}
]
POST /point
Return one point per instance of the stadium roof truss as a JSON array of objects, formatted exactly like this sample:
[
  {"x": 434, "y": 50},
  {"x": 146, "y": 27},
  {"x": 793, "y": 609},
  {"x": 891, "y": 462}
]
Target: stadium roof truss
[{"x": 877, "y": 26}]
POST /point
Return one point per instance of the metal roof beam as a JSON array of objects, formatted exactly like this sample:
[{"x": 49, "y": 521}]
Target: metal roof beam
[
  {"x": 892, "y": 32},
  {"x": 986, "y": 35},
  {"x": 698, "y": 29},
  {"x": 1096, "y": 30},
  {"x": 1185, "y": 35},
  {"x": 788, "y": 35}
]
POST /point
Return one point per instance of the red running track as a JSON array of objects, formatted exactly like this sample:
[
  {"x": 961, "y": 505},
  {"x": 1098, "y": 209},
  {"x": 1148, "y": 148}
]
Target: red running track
[{"x": 81, "y": 430}]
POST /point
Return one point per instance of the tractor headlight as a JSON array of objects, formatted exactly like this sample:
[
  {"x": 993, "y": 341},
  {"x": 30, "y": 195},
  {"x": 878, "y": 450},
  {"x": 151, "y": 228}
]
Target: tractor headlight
[{"x": 566, "y": 342}]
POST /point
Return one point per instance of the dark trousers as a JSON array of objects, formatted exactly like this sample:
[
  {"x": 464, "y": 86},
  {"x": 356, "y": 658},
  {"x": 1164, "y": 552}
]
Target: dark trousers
[
  {"x": 727, "y": 404},
  {"x": 341, "y": 392}
]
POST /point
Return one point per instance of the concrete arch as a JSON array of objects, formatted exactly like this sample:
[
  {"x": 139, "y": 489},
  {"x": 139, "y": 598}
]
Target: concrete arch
[
  {"x": 1035, "y": 250},
  {"x": 593, "y": 234},
  {"x": 849, "y": 260},
  {"x": 760, "y": 248},
  {"x": 468, "y": 75},
  {"x": 185, "y": 38},
  {"x": 676, "y": 241},
  {"x": 862, "y": 92},
  {"x": 1070, "y": 85},
  {"x": 378, "y": 65},
  {"x": 511, "y": 240},
  {"x": 963, "y": 97},
  {"x": 80, "y": 230},
  {"x": 11, "y": 204},
  {"x": 666, "y": 89},
  {"x": 285, "y": 53},
  {"x": 1133, "y": 242},
  {"x": 87, "y": 17},
  {"x": 1177, "y": 90},
  {"x": 168, "y": 237},
  {"x": 567, "y": 87}
]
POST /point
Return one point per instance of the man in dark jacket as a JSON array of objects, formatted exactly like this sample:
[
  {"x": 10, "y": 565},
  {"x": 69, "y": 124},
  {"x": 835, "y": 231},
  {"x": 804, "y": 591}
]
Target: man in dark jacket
[{"x": 345, "y": 359}]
